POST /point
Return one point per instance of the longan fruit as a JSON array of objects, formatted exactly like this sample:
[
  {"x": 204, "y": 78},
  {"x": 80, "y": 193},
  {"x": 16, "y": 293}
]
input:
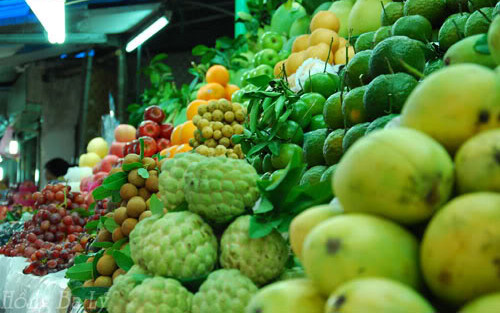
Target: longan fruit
[
  {"x": 211, "y": 143},
  {"x": 149, "y": 163},
  {"x": 212, "y": 105},
  {"x": 115, "y": 170},
  {"x": 218, "y": 115},
  {"x": 104, "y": 236},
  {"x": 203, "y": 150},
  {"x": 147, "y": 204},
  {"x": 120, "y": 215},
  {"x": 229, "y": 116},
  {"x": 226, "y": 105},
  {"x": 207, "y": 116},
  {"x": 106, "y": 265},
  {"x": 197, "y": 135},
  {"x": 239, "y": 116},
  {"x": 109, "y": 214},
  {"x": 131, "y": 158},
  {"x": 128, "y": 226},
  {"x": 236, "y": 106},
  {"x": 135, "y": 207},
  {"x": 103, "y": 281},
  {"x": 217, "y": 126},
  {"x": 211, "y": 152},
  {"x": 225, "y": 142},
  {"x": 128, "y": 191},
  {"x": 135, "y": 178},
  {"x": 229, "y": 151},
  {"x": 203, "y": 123},
  {"x": 220, "y": 150},
  {"x": 117, "y": 273},
  {"x": 145, "y": 214},
  {"x": 144, "y": 193},
  {"x": 233, "y": 156},
  {"x": 152, "y": 184},
  {"x": 90, "y": 305},
  {"x": 117, "y": 234},
  {"x": 202, "y": 109},
  {"x": 237, "y": 149},
  {"x": 153, "y": 173},
  {"x": 88, "y": 283},
  {"x": 196, "y": 119},
  {"x": 238, "y": 129},
  {"x": 227, "y": 131},
  {"x": 207, "y": 132},
  {"x": 217, "y": 135}
]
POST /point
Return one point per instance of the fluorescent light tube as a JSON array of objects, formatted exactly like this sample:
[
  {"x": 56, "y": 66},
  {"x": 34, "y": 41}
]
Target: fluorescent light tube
[
  {"x": 13, "y": 147},
  {"x": 146, "y": 34},
  {"x": 52, "y": 15}
]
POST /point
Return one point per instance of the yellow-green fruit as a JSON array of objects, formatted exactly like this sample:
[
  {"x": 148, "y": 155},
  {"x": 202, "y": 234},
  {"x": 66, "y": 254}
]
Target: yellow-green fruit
[
  {"x": 342, "y": 10},
  {"x": 494, "y": 39},
  {"x": 478, "y": 163},
  {"x": 365, "y": 16},
  {"x": 376, "y": 295},
  {"x": 413, "y": 177},
  {"x": 486, "y": 304},
  {"x": 453, "y": 104},
  {"x": 290, "y": 296},
  {"x": 352, "y": 246},
  {"x": 459, "y": 257},
  {"x": 303, "y": 223}
]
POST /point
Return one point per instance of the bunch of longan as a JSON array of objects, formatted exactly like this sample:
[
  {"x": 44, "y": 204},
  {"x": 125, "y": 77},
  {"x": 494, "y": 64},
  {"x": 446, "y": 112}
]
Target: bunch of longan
[{"x": 216, "y": 122}]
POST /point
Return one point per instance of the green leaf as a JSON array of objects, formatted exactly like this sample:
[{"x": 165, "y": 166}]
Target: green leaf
[
  {"x": 117, "y": 245},
  {"x": 82, "y": 212},
  {"x": 156, "y": 205},
  {"x": 110, "y": 224},
  {"x": 159, "y": 57},
  {"x": 91, "y": 293},
  {"x": 256, "y": 148},
  {"x": 143, "y": 173},
  {"x": 123, "y": 260},
  {"x": 236, "y": 139},
  {"x": 180, "y": 117},
  {"x": 280, "y": 103},
  {"x": 82, "y": 272},
  {"x": 101, "y": 193},
  {"x": 254, "y": 113},
  {"x": 181, "y": 207},
  {"x": 199, "y": 50},
  {"x": 115, "y": 181},
  {"x": 115, "y": 196},
  {"x": 132, "y": 166},
  {"x": 481, "y": 45},
  {"x": 259, "y": 81},
  {"x": 264, "y": 206},
  {"x": 82, "y": 258},
  {"x": 91, "y": 225},
  {"x": 274, "y": 146},
  {"x": 259, "y": 229},
  {"x": 141, "y": 142},
  {"x": 104, "y": 244}
]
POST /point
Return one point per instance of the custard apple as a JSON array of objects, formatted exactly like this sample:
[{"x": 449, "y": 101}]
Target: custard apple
[
  {"x": 219, "y": 189},
  {"x": 160, "y": 295},
  {"x": 224, "y": 291},
  {"x": 171, "y": 181},
  {"x": 117, "y": 296},
  {"x": 262, "y": 260},
  {"x": 177, "y": 244}
]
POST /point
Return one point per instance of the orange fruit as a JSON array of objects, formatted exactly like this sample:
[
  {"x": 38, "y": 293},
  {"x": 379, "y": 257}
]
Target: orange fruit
[
  {"x": 192, "y": 108},
  {"x": 217, "y": 74},
  {"x": 294, "y": 61},
  {"x": 342, "y": 42},
  {"x": 230, "y": 89},
  {"x": 176, "y": 136},
  {"x": 301, "y": 43},
  {"x": 325, "y": 19},
  {"x": 211, "y": 91},
  {"x": 187, "y": 131},
  {"x": 170, "y": 151},
  {"x": 278, "y": 68},
  {"x": 323, "y": 35},
  {"x": 320, "y": 51},
  {"x": 183, "y": 148},
  {"x": 340, "y": 55}
]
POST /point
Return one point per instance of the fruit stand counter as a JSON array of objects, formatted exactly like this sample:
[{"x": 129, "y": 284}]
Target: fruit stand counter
[{"x": 20, "y": 293}]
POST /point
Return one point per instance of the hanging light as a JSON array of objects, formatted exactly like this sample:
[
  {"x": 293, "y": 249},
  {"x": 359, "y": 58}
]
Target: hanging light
[
  {"x": 149, "y": 32},
  {"x": 13, "y": 147},
  {"x": 52, "y": 15}
]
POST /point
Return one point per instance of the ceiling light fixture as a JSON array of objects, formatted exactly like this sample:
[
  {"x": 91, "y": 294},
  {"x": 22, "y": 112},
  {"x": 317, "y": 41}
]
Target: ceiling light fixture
[
  {"x": 149, "y": 32},
  {"x": 52, "y": 15}
]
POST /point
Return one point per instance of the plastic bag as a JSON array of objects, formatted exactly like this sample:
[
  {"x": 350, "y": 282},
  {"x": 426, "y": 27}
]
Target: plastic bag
[{"x": 109, "y": 122}]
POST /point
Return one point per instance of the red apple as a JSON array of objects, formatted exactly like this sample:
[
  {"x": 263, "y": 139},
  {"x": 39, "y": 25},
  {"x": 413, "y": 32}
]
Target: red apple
[
  {"x": 162, "y": 143},
  {"x": 154, "y": 113},
  {"x": 124, "y": 133},
  {"x": 166, "y": 130},
  {"x": 117, "y": 148},
  {"x": 84, "y": 184},
  {"x": 113, "y": 159},
  {"x": 149, "y": 129},
  {"x": 96, "y": 168},
  {"x": 150, "y": 147}
]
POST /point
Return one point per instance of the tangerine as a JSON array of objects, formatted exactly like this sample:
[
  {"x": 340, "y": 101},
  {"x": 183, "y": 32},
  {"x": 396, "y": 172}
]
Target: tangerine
[
  {"x": 230, "y": 89},
  {"x": 211, "y": 91},
  {"x": 187, "y": 131},
  {"x": 217, "y": 74},
  {"x": 192, "y": 108},
  {"x": 176, "y": 136}
]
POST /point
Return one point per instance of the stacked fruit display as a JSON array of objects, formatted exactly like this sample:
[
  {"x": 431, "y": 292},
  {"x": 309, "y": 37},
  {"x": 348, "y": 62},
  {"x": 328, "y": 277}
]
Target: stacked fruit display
[
  {"x": 216, "y": 122},
  {"x": 55, "y": 234}
]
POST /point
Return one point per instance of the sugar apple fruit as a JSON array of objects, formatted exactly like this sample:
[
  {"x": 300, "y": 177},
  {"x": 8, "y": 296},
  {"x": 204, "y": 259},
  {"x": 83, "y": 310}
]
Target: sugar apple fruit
[
  {"x": 177, "y": 244},
  {"x": 224, "y": 291},
  {"x": 219, "y": 189},
  {"x": 262, "y": 259},
  {"x": 171, "y": 183},
  {"x": 117, "y": 296},
  {"x": 160, "y": 295}
]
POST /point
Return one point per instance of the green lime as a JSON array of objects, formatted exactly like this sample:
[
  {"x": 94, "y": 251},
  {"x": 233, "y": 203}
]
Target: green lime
[
  {"x": 329, "y": 173},
  {"x": 381, "y": 34},
  {"x": 313, "y": 175},
  {"x": 315, "y": 101},
  {"x": 433, "y": 10},
  {"x": 414, "y": 26},
  {"x": 317, "y": 122},
  {"x": 430, "y": 52},
  {"x": 478, "y": 4},
  {"x": 433, "y": 66},
  {"x": 313, "y": 147},
  {"x": 285, "y": 154},
  {"x": 353, "y": 134},
  {"x": 387, "y": 94},
  {"x": 452, "y": 31},
  {"x": 291, "y": 130},
  {"x": 323, "y": 83},
  {"x": 332, "y": 112},
  {"x": 358, "y": 69},
  {"x": 332, "y": 149},
  {"x": 391, "y": 13},
  {"x": 456, "y": 6},
  {"x": 380, "y": 123},
  {"x": 267, "y": 165},
  {"x": 364, "y": 42},
  {"x": 301, "y": 114},
  {"x": 392, "y": 54},
  {"x": 352, "y": 107},
  {"x": 276, "y": 175},
  {"x": 479, "y": 22}
]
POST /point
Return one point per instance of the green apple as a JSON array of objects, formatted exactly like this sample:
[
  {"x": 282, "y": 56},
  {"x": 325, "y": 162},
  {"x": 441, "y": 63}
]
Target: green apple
[
  {"x": 237, "y": 96},
  {"x": 248, "y": 74},
  {"x": 267, "y": 56},
  {"x": 284, "y": 54},
  {"x": 271, "y": 40},
  {"x": 264, "y": 69}
]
